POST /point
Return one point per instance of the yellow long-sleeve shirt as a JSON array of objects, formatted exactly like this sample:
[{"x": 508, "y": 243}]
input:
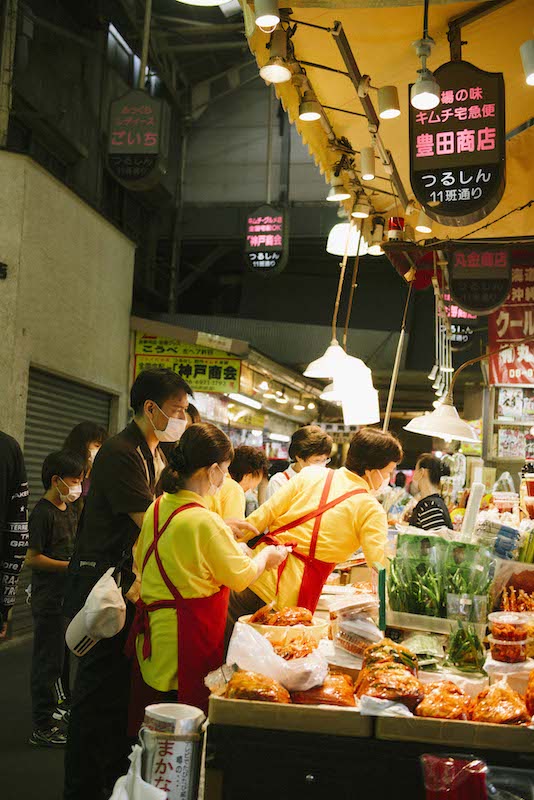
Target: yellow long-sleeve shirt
[
  {"x": 229, "y": 502},
  {"x": 359, "y": 521}
]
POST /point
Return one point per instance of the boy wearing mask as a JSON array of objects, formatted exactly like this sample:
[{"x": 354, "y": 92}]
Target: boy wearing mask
[{"x": 52, "y": 527}]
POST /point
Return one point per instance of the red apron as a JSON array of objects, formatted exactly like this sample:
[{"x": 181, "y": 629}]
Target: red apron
[
  {"x": 315, "y": 571},
  {"x": 286, "y": 476},
  {"x": 201, "y": 624}
]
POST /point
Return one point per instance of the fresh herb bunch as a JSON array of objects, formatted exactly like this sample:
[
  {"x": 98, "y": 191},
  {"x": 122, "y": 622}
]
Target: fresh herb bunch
[
  {"x": 466, "y": 651},
  {"x": 416, "y": 587}
]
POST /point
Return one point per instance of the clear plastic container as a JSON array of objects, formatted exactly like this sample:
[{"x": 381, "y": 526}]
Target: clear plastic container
[
  {"x": 509, "y": 627},
  {"x": 508, "y": 652}
]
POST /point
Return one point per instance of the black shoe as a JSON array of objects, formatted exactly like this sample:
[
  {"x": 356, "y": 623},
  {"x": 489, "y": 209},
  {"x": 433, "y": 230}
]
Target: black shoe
[{"x": 49, "y": 737}]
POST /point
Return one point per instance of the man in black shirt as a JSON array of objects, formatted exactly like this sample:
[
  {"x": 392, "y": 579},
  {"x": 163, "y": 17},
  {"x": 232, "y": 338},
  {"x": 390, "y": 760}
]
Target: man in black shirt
[
  {"x": 123, "y": 480},
  {"x": 13, "y": 524}
]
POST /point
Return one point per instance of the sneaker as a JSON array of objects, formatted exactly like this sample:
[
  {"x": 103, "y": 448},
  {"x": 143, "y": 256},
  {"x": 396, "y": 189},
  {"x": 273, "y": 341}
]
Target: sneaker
[{"x": 49, "y": 737}]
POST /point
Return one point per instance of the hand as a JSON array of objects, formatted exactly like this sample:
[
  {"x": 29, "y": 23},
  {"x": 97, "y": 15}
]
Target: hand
[
  {"x": 242, "y": 530},
  {"x": 3, "y": 631},
  {"x": 275, "y": 555}
]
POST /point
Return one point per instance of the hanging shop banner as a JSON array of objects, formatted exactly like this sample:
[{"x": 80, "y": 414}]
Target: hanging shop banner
[
  {"x": 137, "y": 140},
  {"x": 512, "y": 322},
  {"x": 479, "y": 277},
  {"x": 205, "y": 369},
  {"x": 458, "y": 149},
  {"x": 266, "y": 242}
]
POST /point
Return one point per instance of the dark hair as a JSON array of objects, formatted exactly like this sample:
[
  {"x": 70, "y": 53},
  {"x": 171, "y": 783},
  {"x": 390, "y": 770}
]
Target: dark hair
[
  {"x": 157, "y": 385},
  {"x": 82, "y": 435},
  {"x": 371, "y": 448},
  {"x": 64, "y": 463},
  {"x": 436, "y": 468},
  {"x": 309, "y": 441},
  {"x": 193, "y": 413},
  {"x": 201, "y": 445},
  {"x": 400, "y": 480},
  {"x": 248, "y": 461}
]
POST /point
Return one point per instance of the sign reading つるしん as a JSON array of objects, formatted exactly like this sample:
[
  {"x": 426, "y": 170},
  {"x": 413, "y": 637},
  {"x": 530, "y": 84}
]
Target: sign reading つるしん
[
  {"x": 512, "y": 322},
  {"x": 457, "y": 150},
  {"x": 479, "y": 277},
  {"x": 204, "y": 369},
  {"x": 137, "y": 140},
  {"x": 266, "y": 240},
  {"x": 462, "y": 325}
]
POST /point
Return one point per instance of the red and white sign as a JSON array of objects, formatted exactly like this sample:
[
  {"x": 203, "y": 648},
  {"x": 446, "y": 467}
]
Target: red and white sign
[{"x": 511, "y": 323}]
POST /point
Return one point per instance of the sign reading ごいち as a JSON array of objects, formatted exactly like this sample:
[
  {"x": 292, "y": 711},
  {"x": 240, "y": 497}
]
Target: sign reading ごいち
[{"x": 266, "y": 242}]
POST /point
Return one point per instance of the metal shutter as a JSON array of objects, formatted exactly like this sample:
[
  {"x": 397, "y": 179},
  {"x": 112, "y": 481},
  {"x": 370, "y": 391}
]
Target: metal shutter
[{"x": 55, "y": 406}]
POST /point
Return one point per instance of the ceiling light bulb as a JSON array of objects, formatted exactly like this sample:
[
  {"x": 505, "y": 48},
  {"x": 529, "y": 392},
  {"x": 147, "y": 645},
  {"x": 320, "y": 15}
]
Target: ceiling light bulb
[
  {"x": 309, "y": 108},
  {"x": 527, "y": 57},
  {"x": 424, "y": 223},
  {"x": 276, "y": 70},
  {"x": 264, "y": 386},
  {"x": 246, "y": 401},
  {"x": 425, "y": 92},
  {"x": 311, "y": 406},
  {"x": 269, "y": 396},
  {"x": 367, "y": 163},
  {"x": 388, "y": 102},
  {"x": 299, "y": 407},
  {"x": 361, "y": 210},
  {"x": 337, "y": 241},
  {"x": 256, "y": 432},
  {"x": 267, "y": 15},
  {"x": 433, "y": 373},
  {"x": 337, "y": 192},
  {"x": 377, "y": 236}
]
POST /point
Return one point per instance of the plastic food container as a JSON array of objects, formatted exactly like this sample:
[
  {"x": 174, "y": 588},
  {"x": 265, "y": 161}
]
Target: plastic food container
[
  {"x": 509, "y": 627},
  {"x": 508, "y": 652},
  {"x": 281, "y": 634}
]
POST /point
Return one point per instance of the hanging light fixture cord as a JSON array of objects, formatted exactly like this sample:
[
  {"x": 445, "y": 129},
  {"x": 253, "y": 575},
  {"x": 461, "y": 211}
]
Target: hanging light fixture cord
[
  {"x": 398, "y": 355},
  {"x": 353, "y": 285},
  {"x": 342, "y": 270}
]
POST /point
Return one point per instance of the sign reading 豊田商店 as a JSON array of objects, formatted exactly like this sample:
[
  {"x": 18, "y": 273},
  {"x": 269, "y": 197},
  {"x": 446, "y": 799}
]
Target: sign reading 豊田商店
[
  {"x": 457, "y": 150},
  {"x": 204, "y": 368},
  {"x": 266, "y": 240}
]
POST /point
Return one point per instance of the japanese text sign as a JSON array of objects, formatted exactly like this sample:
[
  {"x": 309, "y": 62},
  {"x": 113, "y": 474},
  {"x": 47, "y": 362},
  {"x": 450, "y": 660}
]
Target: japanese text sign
[
  {"x": 205, "y": 369},
  {"x": 462, "y": 325},
  {"x": 511, "y": 323},
  {"x": 135, "y": 152},
  {"x": 457, "y": 150},
  {"x": 479, "y": 277},
  {"x": 266, "y": 241}
]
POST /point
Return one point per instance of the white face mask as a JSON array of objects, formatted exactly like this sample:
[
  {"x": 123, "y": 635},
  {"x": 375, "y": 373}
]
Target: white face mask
[
  {"x": 173, "y": 430},
  {"x": 383, "y": 486},
  {"x": 73, "y": 492},
  {"x": 92, "y": 454},
  {"x": 214, "y": 488}
]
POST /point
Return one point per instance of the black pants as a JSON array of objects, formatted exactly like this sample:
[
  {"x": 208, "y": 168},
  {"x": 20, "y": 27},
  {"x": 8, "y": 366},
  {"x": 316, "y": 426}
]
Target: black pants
[
  {"x": 97, "y": 744},
  {"x": 50, "y": 668},
  {"x": 240, "y": 603}
]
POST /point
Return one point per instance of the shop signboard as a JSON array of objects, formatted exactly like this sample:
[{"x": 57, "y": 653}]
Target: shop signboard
[
  {"x": 137, "y": 138},
  {"x": 205, "y": 369},
  {"x": 458, "y": 149},
  {"x": 512, "y": 322},
  {"x": 479, "y": 276},
  {"x": 462, "y": 325},
  {"x": 266, "y": 241}
]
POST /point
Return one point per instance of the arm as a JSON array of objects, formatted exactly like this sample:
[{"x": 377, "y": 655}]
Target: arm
[
  {"x": 13, "y": 526},
  {"x": 36, "y": 560},
  {"x": 372, "y": 532},
  {"x": 274, "y": 508},
  {"x": 231, "y": 567},
  {"x": 138, "y": 517}
]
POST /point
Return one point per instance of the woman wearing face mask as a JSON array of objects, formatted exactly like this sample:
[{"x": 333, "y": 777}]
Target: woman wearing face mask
[
  {"x": 327, "y": 515},
  {"x": 85, "y": 440},
  {"x": 188, "y": 560},
  {"x": 310, "y": 446},
  {"x": 431, "y": 511}
]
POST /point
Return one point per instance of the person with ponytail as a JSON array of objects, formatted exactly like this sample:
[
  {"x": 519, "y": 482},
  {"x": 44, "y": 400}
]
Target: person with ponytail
[
  {"x": 431, "y": 511},
  {"x": 188, "y": 560}
]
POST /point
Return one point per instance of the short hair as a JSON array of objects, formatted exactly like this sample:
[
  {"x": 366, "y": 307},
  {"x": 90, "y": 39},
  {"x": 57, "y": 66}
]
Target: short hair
[
  {"x": 248, "y": 461},
  {"x": 201, "y": 445},
  {"x": 63, "y": 463},
  {"x": 194, "y": 414},
  {"x": 309, "y": 440},
  {"x": 435, "y": 467},
  {"x": 158, "y": 385},
  {"x": 400, "y": 480},
  {"x": 371, "y": 448},
  {"x": 82, "y": 435}
]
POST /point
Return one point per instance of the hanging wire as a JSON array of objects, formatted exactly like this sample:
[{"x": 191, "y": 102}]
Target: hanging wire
[
  {"x": 483, "y": 227},
  {"x": 343, "y": 267},
  {"x": 353, "y": 285}
]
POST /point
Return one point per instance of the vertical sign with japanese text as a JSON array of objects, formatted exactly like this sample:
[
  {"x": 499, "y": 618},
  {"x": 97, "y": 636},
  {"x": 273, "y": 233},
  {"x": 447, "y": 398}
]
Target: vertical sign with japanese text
[
  {"x": 479, "y": 276},
  {"x": 457, "y": 150},
  {"x": 512, "y": 322},
  {"x": 136, "y": 140},
  {"x": 462, "y": 324},
  {"x": 266, "y": 241}
]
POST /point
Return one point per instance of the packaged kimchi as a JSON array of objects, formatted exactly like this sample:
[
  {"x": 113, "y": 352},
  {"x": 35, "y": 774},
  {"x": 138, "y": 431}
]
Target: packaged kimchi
[
  {"x": 391, "y": 682},
  {"x": 251, "y": 686},
  {"x": 286, "y": 616},
  {"x": 387, "y": 652},
  {"x": 444, "y": 700},
  {"x": 296, "y": 648},
  {"x": 529, "y": 696},
  {"x": 337, "y": 690},
  {"x": 501, "y": 705}
]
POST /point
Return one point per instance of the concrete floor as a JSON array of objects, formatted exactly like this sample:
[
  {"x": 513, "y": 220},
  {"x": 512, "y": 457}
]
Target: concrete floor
[{"x": 26, "y": 772}]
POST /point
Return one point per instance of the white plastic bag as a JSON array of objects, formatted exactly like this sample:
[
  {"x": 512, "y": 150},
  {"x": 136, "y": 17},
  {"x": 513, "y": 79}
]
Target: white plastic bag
[
  {"x": 377, "y": 707},
  {"x": 132, "y": 786},
  {"x": 253, "y": 652}
]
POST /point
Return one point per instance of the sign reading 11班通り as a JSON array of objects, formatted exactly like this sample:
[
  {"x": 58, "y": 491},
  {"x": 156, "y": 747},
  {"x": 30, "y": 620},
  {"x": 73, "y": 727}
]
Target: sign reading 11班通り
[
  {"x": 457, "y": 150},
  {"x": 266, "y": 240}
]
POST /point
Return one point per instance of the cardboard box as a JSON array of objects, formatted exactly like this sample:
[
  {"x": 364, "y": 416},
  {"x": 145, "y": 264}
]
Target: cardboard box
[
  {"x": 333, "y": 720},
  {"x": 452, "y": 733}
]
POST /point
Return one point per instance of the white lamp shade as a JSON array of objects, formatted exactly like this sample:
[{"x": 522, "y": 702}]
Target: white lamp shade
[
  {"x": 330, "y": 395},
  {"x": 367, "y": 163},
  {"x": 424, "y": 223},
  {"x": 444, "y": 423},
  {"x": 275, "y": 71},
  {"x": 425, "y": 93},
  {"x": 362, "y": 408},
  {"x": 327, "y": 365},
  {"x": 388, "y": 102},
  {"x": 309, "y": 108},
  {"x": 337, "y": 240},
  {"x": 353, "y": 383},
  {"x": 266, "y": 14},
  {"x": 527, "y": 57}
]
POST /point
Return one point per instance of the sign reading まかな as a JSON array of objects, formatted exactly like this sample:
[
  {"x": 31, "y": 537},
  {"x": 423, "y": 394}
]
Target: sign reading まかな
[
  {"x": 266, "y": 241},
  {"x": 457, "y": 150},
  {"x": 204, "y": 368}
]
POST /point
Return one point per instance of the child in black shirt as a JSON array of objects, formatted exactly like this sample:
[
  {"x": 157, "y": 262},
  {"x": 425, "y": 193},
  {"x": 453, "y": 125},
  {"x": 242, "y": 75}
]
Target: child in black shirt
[{"x": 52, "y": 527}]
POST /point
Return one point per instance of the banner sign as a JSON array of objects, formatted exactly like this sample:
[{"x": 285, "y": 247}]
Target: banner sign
[
  {"x": 462, "y": 325},
  {"x": 458, "y": 149},
  {"x": 512, "y": 322},
  {"x": 266, "y": 243},
  {"x": 205, "y": 369},
  {"x": 479, "y": 276}
]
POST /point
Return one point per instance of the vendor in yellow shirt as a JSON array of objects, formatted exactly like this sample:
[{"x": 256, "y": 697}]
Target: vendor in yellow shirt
[
  {"x": 327, "y": 515},
  {"x": 187, "y": 557},
  {"x": 248, "y": 468}
]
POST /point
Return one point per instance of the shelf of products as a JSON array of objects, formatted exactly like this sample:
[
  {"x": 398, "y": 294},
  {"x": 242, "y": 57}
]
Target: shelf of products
[{"x": 513, "y": 419}]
